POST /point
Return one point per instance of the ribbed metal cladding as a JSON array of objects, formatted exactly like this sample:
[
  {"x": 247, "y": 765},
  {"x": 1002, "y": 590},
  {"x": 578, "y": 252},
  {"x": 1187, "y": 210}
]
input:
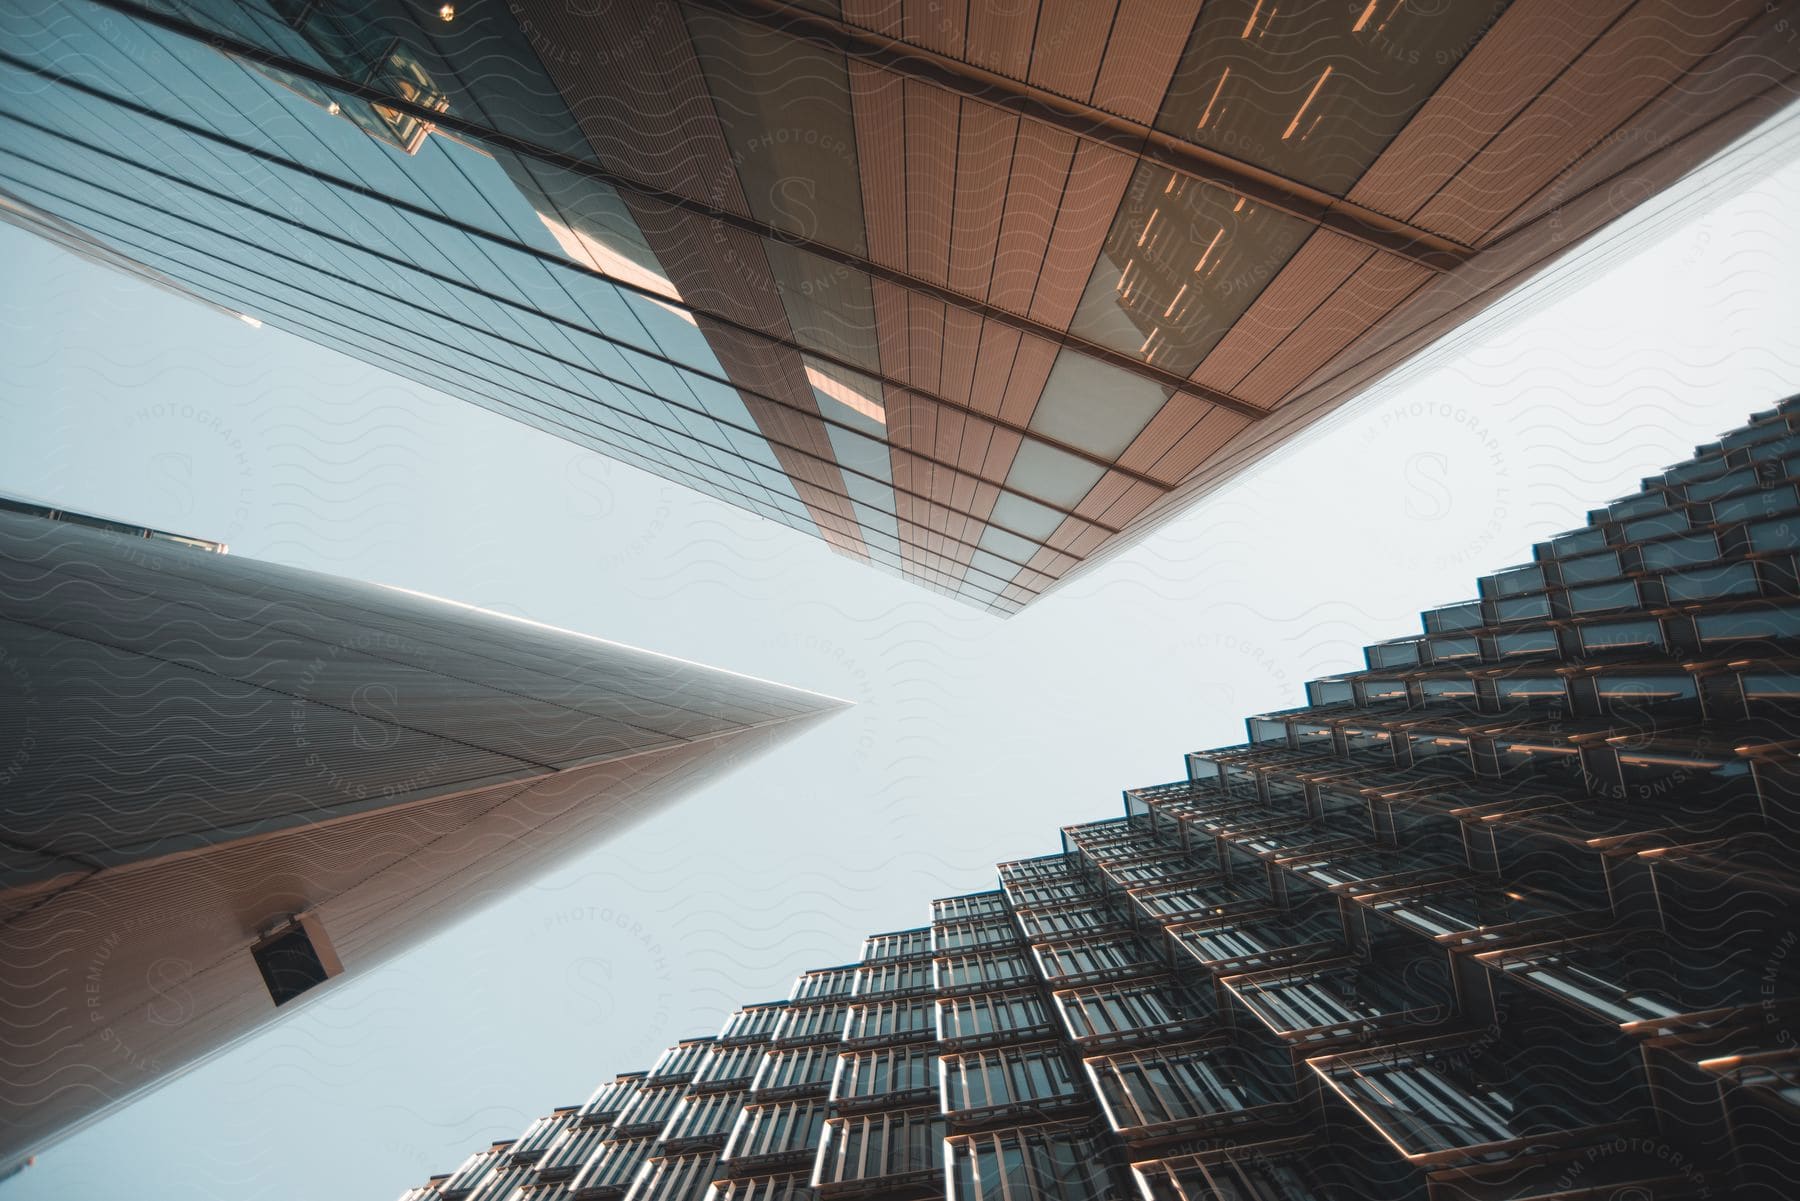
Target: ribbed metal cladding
[
  {"x": 1505, "y": 914},
  {"x": 201, "y": 748}
]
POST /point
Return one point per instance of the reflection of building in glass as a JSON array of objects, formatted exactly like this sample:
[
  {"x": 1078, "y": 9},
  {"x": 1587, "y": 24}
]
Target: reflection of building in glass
[
  {"x": 1505, "y": 915},
  {"x": 978, "y": 298},
  {"x": 224, "y": 783}
]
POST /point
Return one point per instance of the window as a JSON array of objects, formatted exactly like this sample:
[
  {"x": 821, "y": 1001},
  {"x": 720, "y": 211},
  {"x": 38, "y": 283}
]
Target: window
[
  {"x": 884, "y": 1146},
  {"x": 1121, "y": 1012},
  {"x": 708, "y": 1116},
  {"x": 992, "y": 1017},
  {"x": 675, "y": 1177},
  {"x": 890, "y": 1021},
  {"x": 897, "y": 945},
  {"x": 1003, "y": 1077},
  {"x": 651, "y": 1107},
  {"x": 768, "y": 1133},
  {"x": 1092, "y": 958},
  {"x": 1175, "y": 1085},
  {"x": 753, "y": 1022},
  {"x": 680, "y": 1061},
  {"x": 825, "y": 984},
  {"x": 793, "y": 1187},
  {"x": 812, "y": 1023},
  {"x": 730, "y": 1064},
  {"x": 800, "y": 1070},
  {"x": 899, "y": 976},
  {"x": 981, "y": 904},
  {"x": 961, "y": 936},
  {"x": 891, "y": 1074},
  {"x": 617, "y": 1161},
  {"x": 1737, "y": 579},
  {"x": 1053, "y": 923},
  {"x": 980, "y": 970},
  {"x": 1033, "y": 1164},
  {"x": 611, "y": 1097},
  {"x": 1608, "y": 637}
]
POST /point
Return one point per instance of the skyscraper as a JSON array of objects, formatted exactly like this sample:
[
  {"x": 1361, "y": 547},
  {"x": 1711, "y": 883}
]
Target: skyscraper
[
  {"x": 1507, "y": 914},
  {"x": 224, "y": 783},
  {"x": 977, "y": 293}
]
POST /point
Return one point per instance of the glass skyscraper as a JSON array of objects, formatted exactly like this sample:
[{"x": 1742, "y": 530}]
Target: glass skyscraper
[
  {"x": 225, "y": 783},
  {"x": 976, "y": 293},
  {"x": 1506, "y": 915}
]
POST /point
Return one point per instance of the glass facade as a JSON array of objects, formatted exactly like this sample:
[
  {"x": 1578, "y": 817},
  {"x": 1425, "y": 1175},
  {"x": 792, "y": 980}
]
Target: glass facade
[
  {"x": 1551, "y": 961},
  {"x": 976, "y": 312}
]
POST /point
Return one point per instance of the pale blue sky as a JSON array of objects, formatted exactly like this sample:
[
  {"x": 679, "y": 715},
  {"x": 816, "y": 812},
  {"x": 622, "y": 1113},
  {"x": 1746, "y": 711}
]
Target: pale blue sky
[{"x": 973, "y": 737}]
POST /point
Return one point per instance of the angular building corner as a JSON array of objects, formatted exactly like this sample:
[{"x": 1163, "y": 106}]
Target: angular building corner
[
  {"x": 224, "y": 783},
  {"x": 977, "y": 300},
  {"x": 1506, "y": 916}
]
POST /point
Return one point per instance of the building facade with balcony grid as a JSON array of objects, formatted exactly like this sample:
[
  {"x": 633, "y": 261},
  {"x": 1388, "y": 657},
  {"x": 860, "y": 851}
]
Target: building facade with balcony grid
[
  {"x": 976, "y": 293},
  {"x": 1507, "y": 915}
]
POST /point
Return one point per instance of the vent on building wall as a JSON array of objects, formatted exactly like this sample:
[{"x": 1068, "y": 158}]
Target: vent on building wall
[{"x": 294, "y": 958}]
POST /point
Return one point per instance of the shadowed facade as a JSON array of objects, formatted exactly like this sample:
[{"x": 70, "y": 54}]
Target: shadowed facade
[
  {"x": 224, "y": 783},
  {"x": 976, "y": 293},
  {"x": 1504, "y": 916}
]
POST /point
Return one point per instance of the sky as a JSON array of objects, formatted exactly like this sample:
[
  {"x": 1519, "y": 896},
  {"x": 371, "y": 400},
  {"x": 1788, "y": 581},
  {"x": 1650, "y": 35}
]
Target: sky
[{"x": 973, "y": 738}]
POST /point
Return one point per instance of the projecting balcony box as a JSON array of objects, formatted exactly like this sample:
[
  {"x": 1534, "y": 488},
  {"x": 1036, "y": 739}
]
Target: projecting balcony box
[
  {"x": 815, "y": 1022},
  {"x": 541, "y": 1136},
  {"x": 1633, "y": 985},
  {"x": 1318, "y": 1166},
  {"x": 729, "y": 1067},
  {"x": 786, "y": 1186},
  {"x": 1604, "y": 1172},
  {"x": 648, "y": 1111},
  {"x": 1733, "y": 1097},
  {"x": 966, "y": 907},
  {"x": 896, "y": 1155},
  {"x": 1716, "y": 893},
  {"x": 1313, "y": 1006},
  {"x": 1350, "y": 869},
  {"x": 1461, "y": 1100},
  {"x": 897, "y": 944},
  {"x": 1260, "y": 939},
  {"x": 989, "y": 1019},
  {"x": 886, "y": 1023},
  {"x": 1471, "y": 915},
  {"x": 1206, "y": 1089},
  {"x": 678, "y": 1064},
  {"x": 1047, "y": 1162},
  {"x": 1129, "y": 1013},
  {"x": 972, "y": 934},
  {"x": 608, "y": 1175},
  {"x": 1209, "y": 896},
  {"x": 885, "y": 1078},
  {"x": 980, "y": 971},
  {"x": 1039, "y": 867},
  {"x": 1167, "y": 862},
  {"x": 797, "y": 1072},
  {"x": 675, "y": 1177},
  {"x": 825, "y": 984},
  {"x": 1069, "y": 921},
  {"x": 702, "y": 1121},
  {"x": 752, "y": 1023},
  {"x": 1049, "y": 894},
  {"x": 893, "y": 978},
  {"x": 782, "y": 1137},
  {"x": 474, "y": 1170},
  {"x": 572, "y": 1154},
  {"x": 1007, "y": 1085},
  {"x": 1070, "y": 962}
]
